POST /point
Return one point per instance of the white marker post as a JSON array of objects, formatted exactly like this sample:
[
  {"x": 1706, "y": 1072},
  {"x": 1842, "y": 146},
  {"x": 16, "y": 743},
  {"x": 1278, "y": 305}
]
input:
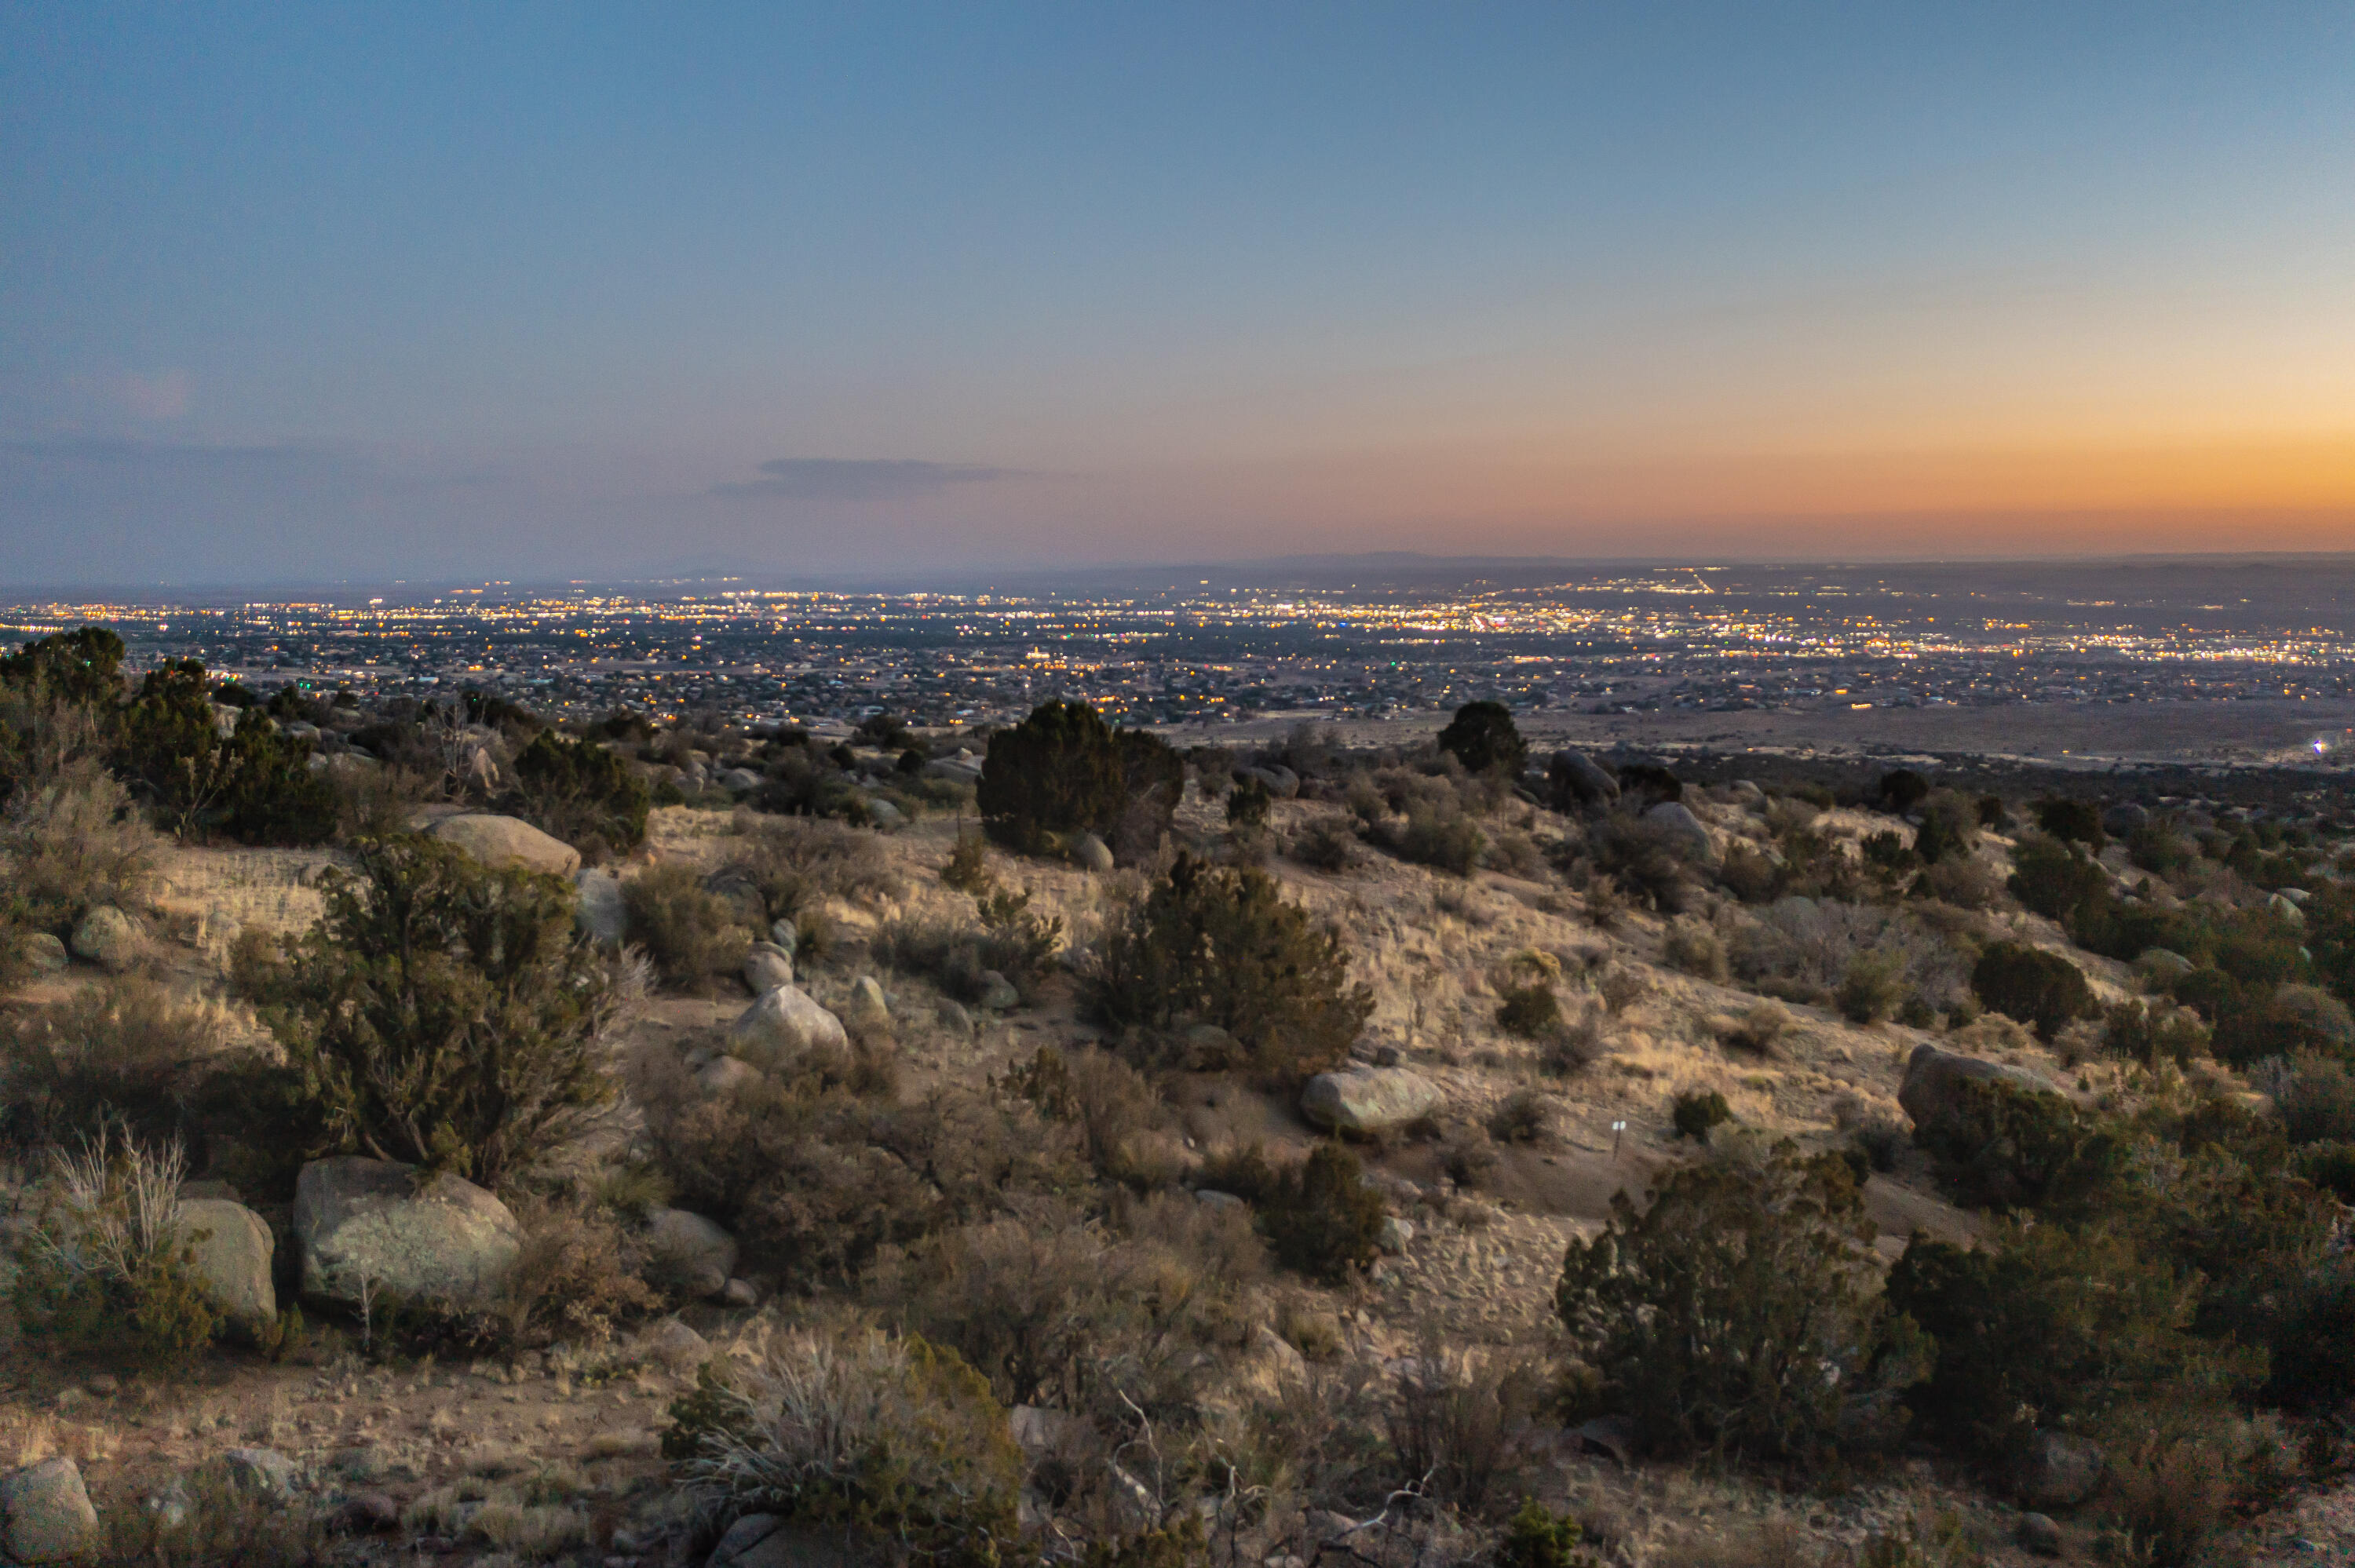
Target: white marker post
[{"x": 1616, "y": 1128}]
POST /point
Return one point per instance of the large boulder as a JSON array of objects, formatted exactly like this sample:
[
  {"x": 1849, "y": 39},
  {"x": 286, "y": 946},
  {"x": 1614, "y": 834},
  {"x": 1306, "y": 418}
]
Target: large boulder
[
  {"x": 1676, "y": 819},
  {"x": 784, "y": 1026},
  {"x": 232, "y": 1246},
  {"x": 44, "y": 952},
  {"x": 1088, "y": 853},
  {"x": 691, "y": 1250},
  {"x": 598, "y": 910},
  {"x": 1369, "y": 1100},
  {"x": 1281, "y": 781},
  {"x": 765, "y": 1540},
  {"x": 1934, "y": 1080},
  {"x": 1577, "y": 779},
  {"x": 109, "y": 938},
  {"x": 48, "y": 1514},
  {"x": 371, "y": 1223},
  {"x": 505, "y": 840}
]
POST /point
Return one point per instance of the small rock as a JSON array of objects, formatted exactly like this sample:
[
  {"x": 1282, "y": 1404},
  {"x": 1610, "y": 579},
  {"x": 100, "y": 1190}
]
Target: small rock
[
  {"x": 1676, "y": 819},
  {"x": 955, "y": 1019},
  {"x": 371, "y": 1511},
  {"x": 766, "y": 968},
  {"x": 783, "y": 1026},
  {"x": 692, "y": 1250},
  {"x": 598, "y": 911},
  {"x": 364, "y": 1463},
  {"x": 740, "y": 1293},
  {"x": 884, "y": 814},
  {"x": 263, "y": 1471},
  {"x": 869, "y": 1009},
  {"x": 170, "y": 1505},
  {"x": 49, "y": 1518},
  {"x": 998, "y": 993},
  {"x": 1088, "y": 853},
  {"x": 1213, "y": 1198},
  {"x": 724, "y": 1076},
  {"x": 1611, "y": 1434},
  {"x": 2039, "y": 1534},
  {"x": 44, "y": 953},
  {"x": 109, "y": 938},
  {"x": 787, "y": 939},
  {"x": 673, "y": 1344},
  {"x": 1394, "y": 1235},
  {"x": 2054, "y": 1469}
]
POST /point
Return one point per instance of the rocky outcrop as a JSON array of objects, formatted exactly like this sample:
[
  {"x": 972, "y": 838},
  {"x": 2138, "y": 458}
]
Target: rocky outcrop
[
  {"x": 598, "y": 911},
  {"x": 1934, "y": 1080},
  {"x": 1676, "y": 819},
  {"x": 371, "y": 1224},
  {"x": 1369, "y": 1100},
  {"x": 782, "y": 1027},
  {"x": 505, "y": 840},
  {"x": 109, "y": 938},
  {"x": 1577, "y": 781},
  {"x": 46, "y": 1512},
  {"x": 233, "y": 1248},
  {"x": 692, "y": 1250}
]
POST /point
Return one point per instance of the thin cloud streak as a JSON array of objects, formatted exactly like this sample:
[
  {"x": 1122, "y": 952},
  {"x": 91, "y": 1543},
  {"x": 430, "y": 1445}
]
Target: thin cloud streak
[{"x": 860, "y": 478}]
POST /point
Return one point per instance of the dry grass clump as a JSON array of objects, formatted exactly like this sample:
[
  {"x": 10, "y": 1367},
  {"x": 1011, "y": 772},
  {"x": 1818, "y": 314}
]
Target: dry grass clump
[
  {"x": 1756, "y": 1030},
  {"x": 128, "y": 1051},
  {"x": 73, "y": 840},
  {"x": 796, "y": 863},
  {"x": 692, "y": 934}
]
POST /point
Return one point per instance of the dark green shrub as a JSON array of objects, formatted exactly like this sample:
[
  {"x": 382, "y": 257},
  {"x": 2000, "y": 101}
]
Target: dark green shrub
[
  {"x": 582, "y": 793},
  {"x": 1873, "y": 987},
  {"x": 1319, "y": 1217},
  {"x": 2076, "y": 821},
  {"x": 1327, "y": 844},
  {"x": 2314, "y": 1353},
  {"x": 1219, "y": 946},
  {"x": 1524, "y": 1115},
  {"x": 2328, "y": 1166},
  {"x": 1902, "y": 790},
  {"x": 257, "y": 785},
  {"x": 126, "y": 1053},
  {"x": 1113, "y": 1105},
  {"x": 1888, "y": 850},
  {"x": 2057, "y": 882},
  {"x": 1483, "y": 738},
  {"x": 441, "y": 1012},
  {"x": 2002, "y": 1145},
  {"x": 1529, "y": 1011},
  {"x": 1742, "y": 1312},
  {"x": 2314, "y": 1097},
  {"x": 2155, "y": 846},
  {"x": 78, "y": 666},
  {"x": 1697, "y": 1115},
  {"x": 1443, "y": 838},
  {"x": 1248, "y": 804},
  {"x": 1538, "y": 1538},
  {"x": 2051, "y": 1326},
  {"x": 691, "y": 933},
  {"x": 968, "y": 868},
  {"x": 1990, "y": 812},
  {"x": 2141, "y": 1033},
  {"x": 269, "y": 794},
  {"x": 2031, "y": 986},
  {"x": 1064, "y": 771},
  {"x": 1648, "y": 858}
]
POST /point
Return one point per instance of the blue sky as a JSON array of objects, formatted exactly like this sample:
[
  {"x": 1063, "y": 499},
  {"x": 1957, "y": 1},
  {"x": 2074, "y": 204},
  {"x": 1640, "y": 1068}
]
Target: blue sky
[{"x": 546, "y": 291}]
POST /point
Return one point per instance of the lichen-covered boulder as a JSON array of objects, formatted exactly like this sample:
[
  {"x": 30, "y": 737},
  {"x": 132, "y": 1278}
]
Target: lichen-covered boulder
[
  {"x": 45, "y": 1513},
  {"x": 1934, "y": 1080},
  {"x": 782, "y": 1027},
  {"x": 1369, "y": 1100},
  {"x": 692, "y": 1250},
  {"x": 502, "y": 841},
  {"x": 109, "y": 938},
  {"x": 233, "y": 1248},
  {"x": 371, "y": 1224}
]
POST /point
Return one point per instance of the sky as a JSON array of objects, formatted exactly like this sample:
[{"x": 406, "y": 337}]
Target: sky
[{"x": 308, "y": 294}]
